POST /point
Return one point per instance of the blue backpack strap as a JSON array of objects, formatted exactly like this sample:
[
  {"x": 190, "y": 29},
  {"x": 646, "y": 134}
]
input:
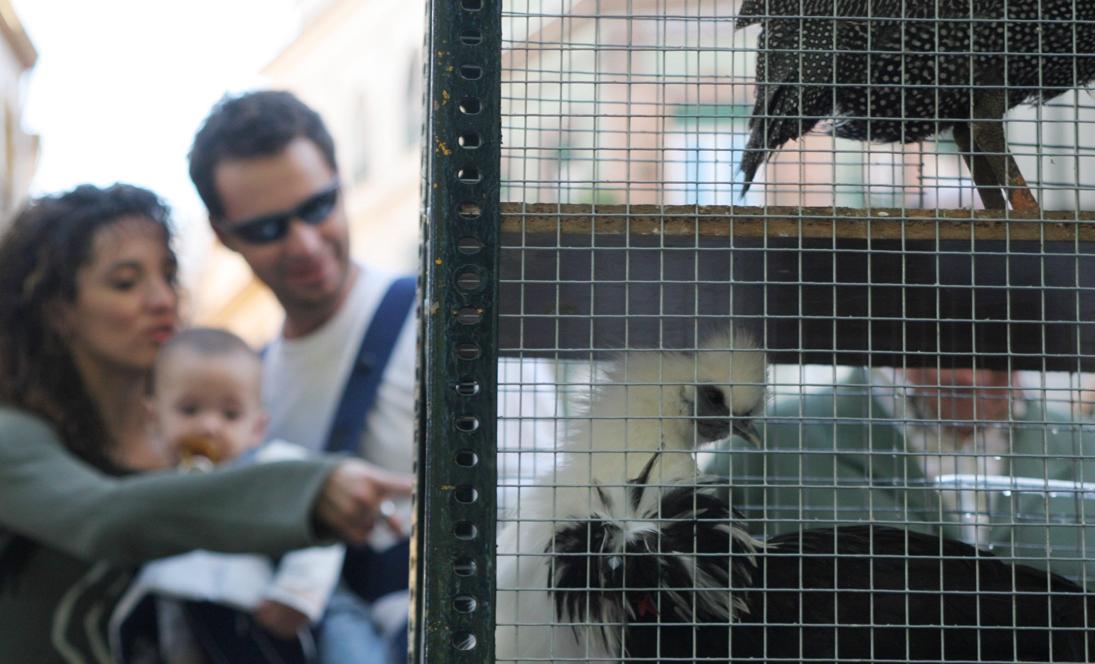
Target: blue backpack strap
[
  {"x": 372, "y": 358},
  {"x": 373, "y": 574}
]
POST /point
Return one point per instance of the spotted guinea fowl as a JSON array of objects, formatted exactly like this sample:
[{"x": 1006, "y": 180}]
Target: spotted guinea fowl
[{"x": 902, "y": 71}]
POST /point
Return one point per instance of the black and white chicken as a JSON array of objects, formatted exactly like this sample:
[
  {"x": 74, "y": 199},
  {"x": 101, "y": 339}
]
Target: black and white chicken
[
  {"x": 626, "y": 553},
  {"x": 645, "y": 417}
]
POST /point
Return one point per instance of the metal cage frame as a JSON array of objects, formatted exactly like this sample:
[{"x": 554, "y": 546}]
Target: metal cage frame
[
  {"x": 453, "y": 565},
  {"x": 473, "y": 241}
]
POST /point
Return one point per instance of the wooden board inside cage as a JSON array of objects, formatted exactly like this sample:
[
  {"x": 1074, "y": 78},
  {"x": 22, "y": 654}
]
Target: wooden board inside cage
[{"x": 952, "y": 288}]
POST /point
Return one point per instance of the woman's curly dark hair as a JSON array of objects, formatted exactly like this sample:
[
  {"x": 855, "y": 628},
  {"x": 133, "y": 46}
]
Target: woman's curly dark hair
[{"x": 41, "y": 252}]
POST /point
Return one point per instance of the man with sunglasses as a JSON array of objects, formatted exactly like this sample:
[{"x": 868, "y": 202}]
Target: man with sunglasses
[{"x": 264, "y": 165}]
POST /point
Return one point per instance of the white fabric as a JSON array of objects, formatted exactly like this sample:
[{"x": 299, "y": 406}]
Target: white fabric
[
  {"x": 303, "y": 380},
  {"x": 303, "y": 580},
  {"x": 236, "y": 580}
]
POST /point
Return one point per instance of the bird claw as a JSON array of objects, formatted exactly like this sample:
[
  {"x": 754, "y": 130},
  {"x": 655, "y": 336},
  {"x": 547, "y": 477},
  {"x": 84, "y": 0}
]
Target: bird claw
[{"x": 1019, "y": 196}]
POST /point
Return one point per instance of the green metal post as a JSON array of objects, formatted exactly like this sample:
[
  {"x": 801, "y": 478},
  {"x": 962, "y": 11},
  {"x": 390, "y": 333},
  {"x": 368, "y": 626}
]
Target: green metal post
[{"x": 453, "y": 577}]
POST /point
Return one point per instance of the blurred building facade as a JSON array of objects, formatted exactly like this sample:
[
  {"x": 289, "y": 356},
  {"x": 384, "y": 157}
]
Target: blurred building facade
[
  {"x": 18, "y": 149},
  {"x": 359, "y": 64}
]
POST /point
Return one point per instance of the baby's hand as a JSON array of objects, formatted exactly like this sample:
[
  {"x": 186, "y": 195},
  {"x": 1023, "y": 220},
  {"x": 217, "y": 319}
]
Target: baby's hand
[{"x": 280, "y": 619}]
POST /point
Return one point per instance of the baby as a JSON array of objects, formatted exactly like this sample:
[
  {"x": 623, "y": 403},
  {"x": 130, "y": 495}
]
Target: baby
[
  {"x": 206, "y": 404},
  {"x": 206, "y": 407}
]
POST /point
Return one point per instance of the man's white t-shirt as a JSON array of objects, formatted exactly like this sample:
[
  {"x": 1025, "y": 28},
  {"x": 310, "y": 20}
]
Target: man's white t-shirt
[{"x": 303, "y": 380}]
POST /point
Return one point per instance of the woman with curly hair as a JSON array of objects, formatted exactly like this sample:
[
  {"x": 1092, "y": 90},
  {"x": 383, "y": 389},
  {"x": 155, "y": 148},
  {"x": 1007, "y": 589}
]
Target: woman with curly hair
[{"x": 88, "y": 294}]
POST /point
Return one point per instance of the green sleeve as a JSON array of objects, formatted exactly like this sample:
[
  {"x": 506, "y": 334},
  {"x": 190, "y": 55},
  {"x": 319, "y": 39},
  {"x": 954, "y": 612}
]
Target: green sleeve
[
  {"x": 1051, "y": 527},
  {"x": 50, "y": 496},
  {"x": 827, "y": 458}
]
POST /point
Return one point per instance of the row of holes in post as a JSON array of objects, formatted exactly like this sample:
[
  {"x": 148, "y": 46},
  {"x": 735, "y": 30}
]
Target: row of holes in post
[{"x": 468, "y": 279}]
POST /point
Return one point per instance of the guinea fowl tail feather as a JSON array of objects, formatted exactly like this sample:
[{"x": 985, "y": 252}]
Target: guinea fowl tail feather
[{"x": 750, "y": 162}]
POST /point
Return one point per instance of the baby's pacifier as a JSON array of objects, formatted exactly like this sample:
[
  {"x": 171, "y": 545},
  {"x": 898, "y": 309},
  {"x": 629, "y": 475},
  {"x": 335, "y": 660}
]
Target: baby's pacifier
[{"x": 199, "y": 452}]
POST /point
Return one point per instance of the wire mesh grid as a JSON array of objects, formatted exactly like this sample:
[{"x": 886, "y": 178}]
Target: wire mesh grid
[{"x": 907, "y": 472}]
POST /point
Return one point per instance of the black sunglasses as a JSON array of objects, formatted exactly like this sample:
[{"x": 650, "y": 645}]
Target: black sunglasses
[{"x": 272, "y": 227}]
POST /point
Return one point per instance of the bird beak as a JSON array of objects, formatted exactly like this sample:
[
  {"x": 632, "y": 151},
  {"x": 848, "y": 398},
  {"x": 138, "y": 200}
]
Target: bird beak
[{"x": 746, "y": 429}]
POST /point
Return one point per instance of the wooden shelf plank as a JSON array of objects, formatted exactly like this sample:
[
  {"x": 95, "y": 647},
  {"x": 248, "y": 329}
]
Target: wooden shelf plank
[
  {"x": 785, "y": 222},
  {"x": 922, "y": 289}
]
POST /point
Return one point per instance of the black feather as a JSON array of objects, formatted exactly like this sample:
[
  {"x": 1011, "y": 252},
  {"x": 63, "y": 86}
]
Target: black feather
[
  {"x": 868, "y": 593},
  {"x": 601, "y": 575}
]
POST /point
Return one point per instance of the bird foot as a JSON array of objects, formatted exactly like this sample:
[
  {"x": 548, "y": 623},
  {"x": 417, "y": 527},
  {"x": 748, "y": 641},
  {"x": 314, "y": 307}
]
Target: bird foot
[
  {"x": 1019, "y": 196},
  {"x": 988, "y": 144}
]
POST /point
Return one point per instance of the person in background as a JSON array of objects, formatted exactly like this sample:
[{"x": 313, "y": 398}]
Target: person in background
[
  {"x": 965, "y": 452},
  {"x": 206, "y": 404},
  {"x": 264, "y": 165},
  {"x": 88, "y": 294},
  {"x": 1083, "y": 403}
]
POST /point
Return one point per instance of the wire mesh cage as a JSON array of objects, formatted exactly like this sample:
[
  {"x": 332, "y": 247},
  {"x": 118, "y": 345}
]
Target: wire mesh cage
[{"x": 758, "y": 330}]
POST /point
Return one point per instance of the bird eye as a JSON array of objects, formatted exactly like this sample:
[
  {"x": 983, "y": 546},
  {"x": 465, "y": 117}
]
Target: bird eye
[{"x": 714, "y": 396}]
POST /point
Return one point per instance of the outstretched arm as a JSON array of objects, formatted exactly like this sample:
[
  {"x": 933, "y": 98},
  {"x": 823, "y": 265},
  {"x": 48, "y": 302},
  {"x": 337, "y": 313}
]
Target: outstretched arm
[{"x": 54, "y": 498}]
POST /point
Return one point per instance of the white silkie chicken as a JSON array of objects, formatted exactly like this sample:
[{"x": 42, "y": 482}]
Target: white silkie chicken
[{"x": 631, "y": 450}]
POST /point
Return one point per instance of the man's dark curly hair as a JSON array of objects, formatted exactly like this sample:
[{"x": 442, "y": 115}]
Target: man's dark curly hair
[
  {"x": 253, "y": 124},
  {"x": 41, "y": 252}
]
